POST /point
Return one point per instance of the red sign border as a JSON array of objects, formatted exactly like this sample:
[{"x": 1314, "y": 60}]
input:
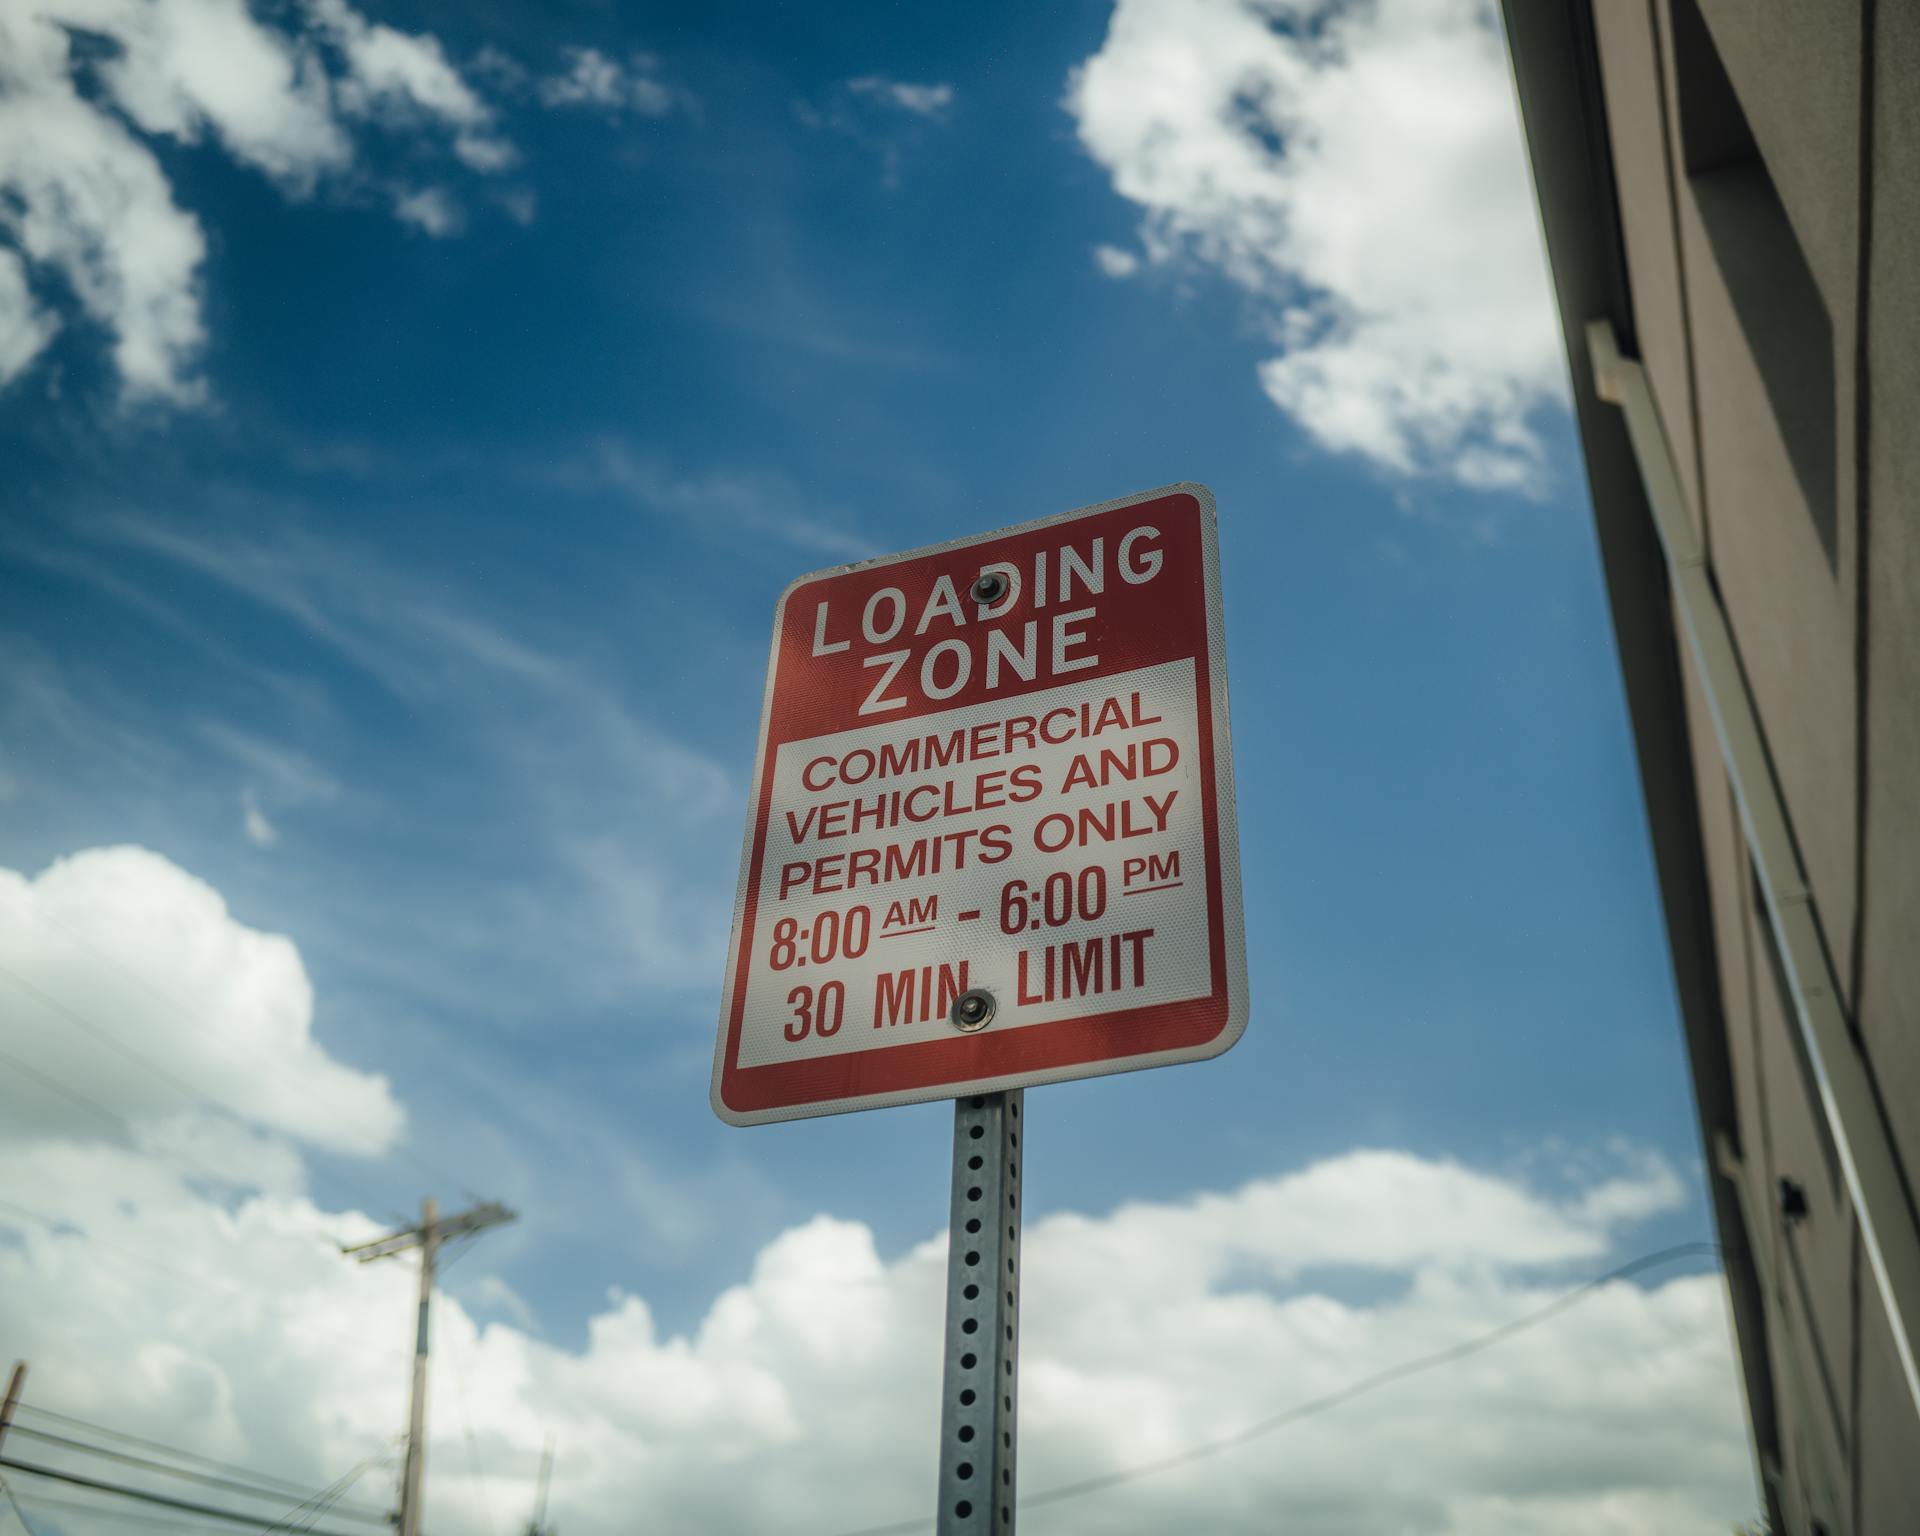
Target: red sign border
[{"x": 1096, "y": 1046}]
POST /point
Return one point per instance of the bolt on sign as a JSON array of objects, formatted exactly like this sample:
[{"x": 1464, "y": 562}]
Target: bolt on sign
[{"x": 992, "y": 838}]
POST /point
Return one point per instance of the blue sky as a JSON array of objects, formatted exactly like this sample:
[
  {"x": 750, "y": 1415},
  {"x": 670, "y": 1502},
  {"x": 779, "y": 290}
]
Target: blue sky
[{"x": 416, "y": 598}]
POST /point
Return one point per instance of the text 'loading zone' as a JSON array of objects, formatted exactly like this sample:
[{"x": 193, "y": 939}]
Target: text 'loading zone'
[{"x": 994, "y": 769}]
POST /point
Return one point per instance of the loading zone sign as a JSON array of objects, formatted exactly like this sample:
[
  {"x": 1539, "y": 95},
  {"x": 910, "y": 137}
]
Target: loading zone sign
[{"x": 992, "y": 837}]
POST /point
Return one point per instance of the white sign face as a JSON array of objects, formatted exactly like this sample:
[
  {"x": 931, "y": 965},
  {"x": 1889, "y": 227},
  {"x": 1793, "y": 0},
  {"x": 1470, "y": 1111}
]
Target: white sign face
[{"x": 1012, "y": 801}]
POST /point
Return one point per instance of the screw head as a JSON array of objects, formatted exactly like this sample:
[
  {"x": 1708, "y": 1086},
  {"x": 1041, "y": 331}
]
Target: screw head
[
  {"x": 989, "y": 587},
  {"x": 972, "y": 1011}
]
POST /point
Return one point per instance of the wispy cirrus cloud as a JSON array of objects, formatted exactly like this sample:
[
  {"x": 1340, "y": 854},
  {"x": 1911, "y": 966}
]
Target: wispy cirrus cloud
[
  {"x": 755, "y": 502},
  {"x": 921, "y": 99},
  {"x": 885, "y": 115},
  {"x": 609, "y": 823},
  {"x": 613, "y": 83},
  {"x": 594, "y": 79}
]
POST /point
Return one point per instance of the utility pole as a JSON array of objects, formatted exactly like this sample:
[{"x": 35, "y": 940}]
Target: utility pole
[
  {"x": 7, "y": 1404},
  {"x": 537, "y": 1526},
  {"x": 427, "y": 1237}
]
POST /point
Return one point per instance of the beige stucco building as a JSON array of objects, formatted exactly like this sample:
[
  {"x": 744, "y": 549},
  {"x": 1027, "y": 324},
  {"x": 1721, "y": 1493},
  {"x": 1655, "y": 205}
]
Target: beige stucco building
[{"x": 1730, "y": 191}]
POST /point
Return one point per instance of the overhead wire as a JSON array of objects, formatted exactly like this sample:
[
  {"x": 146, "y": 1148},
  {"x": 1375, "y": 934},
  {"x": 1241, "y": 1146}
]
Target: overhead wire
[
  {"x": 179, "y": 1084},
  {"x": 71, "y": 1095},
  {"x": 287, "y": 1487},
  {"x": 185, "y": 1474},
  {"x": 18, "y": 1513},
  {"x": 57, "y": 1223},
  {"x": 118, "y": 1516},
  {"x": 211, "y": 1512},
  {"x": 312, "y": 1508},
  {"x": 193, "y": 1015},
  {"x": 115, "y": 1043},
  {"x": 94, "y": 1107},
  {"x": 1313, "y": 1407}
]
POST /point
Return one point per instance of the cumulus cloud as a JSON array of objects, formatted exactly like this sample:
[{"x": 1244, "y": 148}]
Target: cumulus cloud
[
  {"x": 592, "y": 79},
  {"x": 1355, "y": 168},
  {"x": 805, "y": 1397},
  {"x": 119, "y": 945},
  {"x": 818, "y": 1369},
  {"x": 84, "y": 198},
  {"x": 922, "y": 100},
  {"x": 1115, "y": 262}
]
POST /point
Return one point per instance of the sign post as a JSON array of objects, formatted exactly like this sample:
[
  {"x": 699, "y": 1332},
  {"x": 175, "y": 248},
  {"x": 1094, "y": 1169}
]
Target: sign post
[
  {"x": 979, "y": 1387},
  {"x": 991, "y": 845}
]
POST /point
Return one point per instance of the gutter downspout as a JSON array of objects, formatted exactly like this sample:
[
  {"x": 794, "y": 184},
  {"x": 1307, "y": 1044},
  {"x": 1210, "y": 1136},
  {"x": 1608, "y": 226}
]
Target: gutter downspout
[{"x": 1888, "y": 1232}]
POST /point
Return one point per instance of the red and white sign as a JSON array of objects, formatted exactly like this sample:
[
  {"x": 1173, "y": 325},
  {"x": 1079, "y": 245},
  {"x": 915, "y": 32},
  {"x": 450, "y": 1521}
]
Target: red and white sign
[{"x": 1029, "y": 796}]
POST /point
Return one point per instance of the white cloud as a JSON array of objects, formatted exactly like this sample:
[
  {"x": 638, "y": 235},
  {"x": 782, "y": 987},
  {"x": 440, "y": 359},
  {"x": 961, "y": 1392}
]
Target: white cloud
[
  {"x": 1115, "y": 262},
  {"x": 805, "y": 1398},
  {"x": 431, "y": 209},
  {"x": 520, "y": 205},
  {"x": 1357, "y": 170},
  {"x": 183, "y": 68},
  {"x": 929, "y": 100},
  {"x": 402, "y": 76},
  {"x": 142, "y": 951},
  {"x": 84, "y": 198},
  {"x": 79, "y": 195},
  {"x": 592, "y": 79},
  {"x": 25, "y": 328}
]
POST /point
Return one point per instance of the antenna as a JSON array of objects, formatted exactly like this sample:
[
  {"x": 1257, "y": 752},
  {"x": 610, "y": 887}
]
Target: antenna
[{"x": 537, "y": 1526}]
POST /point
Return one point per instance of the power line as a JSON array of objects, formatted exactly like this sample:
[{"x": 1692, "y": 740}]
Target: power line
[
  {"x": 185, "y": 1474},
  {"x": 112, "y": 1117},
  {"x": 18, "y": 1513},
  {"x": 118, "y": 1121},
  {"x": 252, "y": 1522},
  {"x": 193, "y": 1015},
  {"x": 1319, "y": 1405},
  {"x": 327, "y": 1498},
  {"x": 427, "y": 1237},
  {"x": 76, "y": 1506},
  {"x": 287, "y": 1487},
  {"x": 57, "y": 1223},
  {"x": 180, "y": 1084},
  {"x": 72, "y": 1095},
  {"x": 114, "y": 1043}
]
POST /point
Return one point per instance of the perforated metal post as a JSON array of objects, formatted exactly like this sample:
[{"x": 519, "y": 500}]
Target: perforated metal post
[{"x": 980, "y": 1387}]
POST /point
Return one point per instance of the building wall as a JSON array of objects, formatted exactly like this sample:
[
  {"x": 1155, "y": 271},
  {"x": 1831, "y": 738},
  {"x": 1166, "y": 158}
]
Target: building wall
[{"x": 1767, "y": 160}]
